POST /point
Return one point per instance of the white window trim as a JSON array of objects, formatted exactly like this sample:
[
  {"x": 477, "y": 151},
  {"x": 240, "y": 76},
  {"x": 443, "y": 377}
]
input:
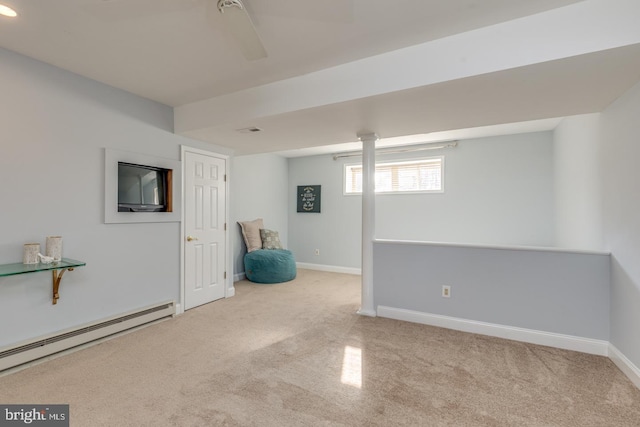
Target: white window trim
[{"x": 404, "y": 159}]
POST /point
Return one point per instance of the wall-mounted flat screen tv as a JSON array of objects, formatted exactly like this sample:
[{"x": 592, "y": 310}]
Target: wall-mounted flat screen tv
[{"x": 143, "y": 188}]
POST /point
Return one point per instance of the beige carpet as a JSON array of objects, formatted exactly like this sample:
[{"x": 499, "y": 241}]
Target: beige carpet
[{"x": 296, "y": 354}]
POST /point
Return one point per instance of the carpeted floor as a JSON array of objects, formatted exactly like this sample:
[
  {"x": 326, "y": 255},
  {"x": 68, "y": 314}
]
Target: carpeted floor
[{"x": 296, "y": 354}]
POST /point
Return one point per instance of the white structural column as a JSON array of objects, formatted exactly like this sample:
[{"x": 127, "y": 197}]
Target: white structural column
[{"x": 368, "y": 220}]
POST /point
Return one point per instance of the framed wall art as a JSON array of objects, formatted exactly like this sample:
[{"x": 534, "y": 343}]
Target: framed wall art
[{"x": 309, "y": 198}]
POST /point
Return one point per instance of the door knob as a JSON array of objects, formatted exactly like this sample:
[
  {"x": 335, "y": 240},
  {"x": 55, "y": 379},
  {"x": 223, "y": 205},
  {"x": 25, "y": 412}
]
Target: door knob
[{"x": 190, "y": 238}]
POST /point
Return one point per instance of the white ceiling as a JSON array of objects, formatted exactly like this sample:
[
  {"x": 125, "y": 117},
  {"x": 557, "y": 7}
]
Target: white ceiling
[{"x": 176, "y": 52}]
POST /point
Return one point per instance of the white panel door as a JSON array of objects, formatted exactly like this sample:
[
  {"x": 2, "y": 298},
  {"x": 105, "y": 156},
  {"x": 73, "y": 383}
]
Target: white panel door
[{"x": 204, "y": 254}]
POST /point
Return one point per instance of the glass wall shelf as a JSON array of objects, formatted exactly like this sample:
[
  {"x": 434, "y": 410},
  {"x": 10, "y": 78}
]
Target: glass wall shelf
[{"x": 57, "y": 270}]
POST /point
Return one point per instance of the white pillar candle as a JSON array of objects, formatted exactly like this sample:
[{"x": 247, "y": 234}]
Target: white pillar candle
[
  {"x": 54, "y": 247},
  {"x": 30, "y": 253}
]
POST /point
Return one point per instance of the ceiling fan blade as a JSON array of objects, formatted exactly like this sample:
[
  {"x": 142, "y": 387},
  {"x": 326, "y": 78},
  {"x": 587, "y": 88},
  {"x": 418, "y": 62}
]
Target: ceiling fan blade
[{"x": 238, "y": 23}]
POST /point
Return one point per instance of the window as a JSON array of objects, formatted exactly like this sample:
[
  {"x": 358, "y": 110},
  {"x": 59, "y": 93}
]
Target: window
[{"x": 410, "y": 176}]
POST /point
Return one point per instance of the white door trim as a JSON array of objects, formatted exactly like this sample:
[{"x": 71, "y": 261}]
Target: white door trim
[{"x": 229, "y": 289}]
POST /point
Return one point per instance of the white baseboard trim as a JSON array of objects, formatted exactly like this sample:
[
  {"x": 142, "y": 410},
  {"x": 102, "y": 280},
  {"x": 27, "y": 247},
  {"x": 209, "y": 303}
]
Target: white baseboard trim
[
  {"x": 231, "y": 291},
  {"x": 626, "y": 366},
  {"x": 369, "y": 313},
  {"x": 239, "y": 276},
  {"x": 567, "y": 342},
  {"x": 330, "y": 268},
  {"x": 179, "y": 310}
]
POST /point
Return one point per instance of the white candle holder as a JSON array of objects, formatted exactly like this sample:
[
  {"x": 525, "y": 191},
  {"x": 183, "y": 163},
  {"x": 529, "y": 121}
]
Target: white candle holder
[
  {"x": 30, "y": 253},
  {"x": 54, "y": 247}
]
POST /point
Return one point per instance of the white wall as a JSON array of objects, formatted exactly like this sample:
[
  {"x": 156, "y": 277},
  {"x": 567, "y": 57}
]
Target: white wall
[
  {"x": 578, "y": 182},
  {"x": 620, "y": 148},
  {"x": 258, "y": 190},
  {"x": 497, "y": 191},
  {"x": 55, "y": 126}
]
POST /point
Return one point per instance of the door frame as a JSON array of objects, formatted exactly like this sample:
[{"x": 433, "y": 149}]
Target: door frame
[{"x": 229, "y": 289}]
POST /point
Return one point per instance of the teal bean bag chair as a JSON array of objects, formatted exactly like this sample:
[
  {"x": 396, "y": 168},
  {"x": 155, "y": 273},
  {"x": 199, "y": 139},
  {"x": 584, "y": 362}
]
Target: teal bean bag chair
[{"x": 270, "y": 266}]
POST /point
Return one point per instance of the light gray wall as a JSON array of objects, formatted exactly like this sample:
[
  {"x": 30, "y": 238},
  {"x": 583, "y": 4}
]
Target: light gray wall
[
  {"x": 336, "y": 230},
  {"x": 258, "y": 190},
  {"x": 498, "y": 190},
  {"x": 55, "y": 126},
  {"x": 578, "y": 182},
  {"x": 558, "y": 292},
  {"x": 620, "y": 148}
]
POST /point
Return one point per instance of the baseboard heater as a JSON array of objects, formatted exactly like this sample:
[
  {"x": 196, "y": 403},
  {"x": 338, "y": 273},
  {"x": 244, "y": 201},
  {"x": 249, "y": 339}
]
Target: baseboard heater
[{"x": 40, "y": 347}]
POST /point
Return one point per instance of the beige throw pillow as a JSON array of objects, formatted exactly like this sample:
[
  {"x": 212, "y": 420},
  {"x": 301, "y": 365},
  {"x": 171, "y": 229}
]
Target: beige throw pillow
[{"x": 251, "y": 233}]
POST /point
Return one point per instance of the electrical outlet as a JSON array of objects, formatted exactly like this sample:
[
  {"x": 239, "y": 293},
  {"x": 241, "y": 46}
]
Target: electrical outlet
[
  {"x": 317, "y": 251},
  {"x": 446, "y": 291}
]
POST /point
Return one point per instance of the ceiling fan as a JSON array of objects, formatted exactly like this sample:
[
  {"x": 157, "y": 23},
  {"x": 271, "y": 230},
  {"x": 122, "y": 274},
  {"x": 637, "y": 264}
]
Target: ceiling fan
[{"x": 238, "y": 23}]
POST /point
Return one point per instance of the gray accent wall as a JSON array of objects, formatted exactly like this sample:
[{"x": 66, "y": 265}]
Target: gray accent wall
[
  {"x": 498, "y": 190},
  {"x": 55, "y": 127},
  {"x": 551, "y": 291},
  {"x": 258, "y": 190},
  {"x": 620, "y": 148}
]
